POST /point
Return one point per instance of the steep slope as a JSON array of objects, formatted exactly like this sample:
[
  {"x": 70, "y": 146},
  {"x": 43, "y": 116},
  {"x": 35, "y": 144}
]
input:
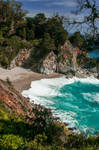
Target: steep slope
[
  {"x": 13, "y": 100},
  {"x": 39, "y": 132},
  {"x": 24, "y": 126}
]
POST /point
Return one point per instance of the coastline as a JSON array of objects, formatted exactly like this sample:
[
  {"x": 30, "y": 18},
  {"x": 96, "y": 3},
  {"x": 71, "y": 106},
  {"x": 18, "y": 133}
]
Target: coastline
[
  {"x": 21, "y": 78},
  {"x": 51, "y": 94}
]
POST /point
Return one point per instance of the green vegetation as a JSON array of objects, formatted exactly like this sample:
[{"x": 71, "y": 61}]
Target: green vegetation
[
  {"x": 78, "y": 40},
  {"x": 18, "y": 31},
  {"x": 39, "y": 33},
  {"x": 42, "y": 34},
  {"x": 9, "y": 48},
  {"x": 42, "y": 132}
]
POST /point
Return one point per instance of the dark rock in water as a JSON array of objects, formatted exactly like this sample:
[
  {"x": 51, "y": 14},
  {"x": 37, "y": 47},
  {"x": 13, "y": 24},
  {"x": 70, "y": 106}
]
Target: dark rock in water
[
  {"x": 70, "y": 73},
  {"x": 66, "y": 124},
  {"x": 97, "y": 133},
  {"x": 72, "y": 129}
]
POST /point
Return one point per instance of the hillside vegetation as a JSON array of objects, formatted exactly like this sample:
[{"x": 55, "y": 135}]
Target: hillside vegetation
[
  {"x": 30, "y": 127},
  {"x": 25, "y": 126},
  {"x": 17, "y": 32}
]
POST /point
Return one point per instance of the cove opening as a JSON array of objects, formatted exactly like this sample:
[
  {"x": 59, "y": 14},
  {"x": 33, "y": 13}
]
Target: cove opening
[{"x": 75, "y": 101}]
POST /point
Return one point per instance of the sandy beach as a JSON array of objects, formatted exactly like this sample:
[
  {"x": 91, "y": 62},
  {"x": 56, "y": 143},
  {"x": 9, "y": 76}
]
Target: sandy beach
[{"x": 21, "y": 78}]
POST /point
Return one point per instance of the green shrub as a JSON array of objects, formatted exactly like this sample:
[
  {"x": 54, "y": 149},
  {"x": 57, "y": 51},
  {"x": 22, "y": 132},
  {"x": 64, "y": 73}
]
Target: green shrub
[
  {"x": 11, "y": 141},
  {"x": 41, "y": 133},
  {"x": 78, "y": 40}
]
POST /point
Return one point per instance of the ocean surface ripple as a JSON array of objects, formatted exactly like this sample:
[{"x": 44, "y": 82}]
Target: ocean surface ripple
[{"x": 75, "y": 101}]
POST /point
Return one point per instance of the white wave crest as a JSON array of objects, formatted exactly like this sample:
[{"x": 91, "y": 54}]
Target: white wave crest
[
  {"x": 42, "y": 90},
  {"x": 91, "y": 97},
  {"x": 50, "y": 87}
]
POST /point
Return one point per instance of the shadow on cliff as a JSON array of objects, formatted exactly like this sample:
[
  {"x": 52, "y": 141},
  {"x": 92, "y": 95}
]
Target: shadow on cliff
[{"x": 35, "y": 60}]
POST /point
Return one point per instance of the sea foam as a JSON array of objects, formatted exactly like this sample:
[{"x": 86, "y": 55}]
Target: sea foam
[
  {"x": 50, "y": 87},
  {"x": 46, "y": 92}
]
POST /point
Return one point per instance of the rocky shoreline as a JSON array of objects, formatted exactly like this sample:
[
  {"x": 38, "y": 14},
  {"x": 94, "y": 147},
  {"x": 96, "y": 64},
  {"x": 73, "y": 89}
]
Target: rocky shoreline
[
  {"x": 81, "y": 73},
  {"x": 70, "y": 61},
  {"x": 21, "y": 78}
]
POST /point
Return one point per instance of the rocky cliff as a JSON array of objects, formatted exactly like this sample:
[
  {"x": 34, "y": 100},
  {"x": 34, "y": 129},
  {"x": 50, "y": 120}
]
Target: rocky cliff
[
  {"x": 69, "y": 60},
  {"x": 13, "y": 101},
  {"x": 23, "y": 126},
  {"x": 21, "y": 58}
]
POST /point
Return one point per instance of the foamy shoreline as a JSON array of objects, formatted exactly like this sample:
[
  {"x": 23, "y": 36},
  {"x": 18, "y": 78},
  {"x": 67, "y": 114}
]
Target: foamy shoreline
[
  {"x": 21, "y": 78},
  {"x": 44, "y": 91}
]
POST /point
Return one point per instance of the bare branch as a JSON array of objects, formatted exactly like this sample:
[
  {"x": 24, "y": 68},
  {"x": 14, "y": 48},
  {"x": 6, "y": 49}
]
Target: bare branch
[{"x": 91, "y": 18}]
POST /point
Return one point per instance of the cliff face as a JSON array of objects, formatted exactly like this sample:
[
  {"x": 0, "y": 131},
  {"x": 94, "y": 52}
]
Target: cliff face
[
  {"x": 49, "y": 64},
  {"x": 13, "y": 101},
  {"x": 67, "y": 58},
  {"x": 21, "y": 58},
  {"x": 67, "y": 61},
  {"x": 64, "y": 61}
]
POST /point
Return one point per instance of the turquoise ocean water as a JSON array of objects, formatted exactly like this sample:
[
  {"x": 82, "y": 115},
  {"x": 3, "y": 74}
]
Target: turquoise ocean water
[{"x": 75, "y": 101}]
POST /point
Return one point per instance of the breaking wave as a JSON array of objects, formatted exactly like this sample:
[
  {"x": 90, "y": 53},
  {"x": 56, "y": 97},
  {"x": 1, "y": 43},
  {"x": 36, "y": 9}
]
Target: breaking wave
[{"x": 75, "y": 101}]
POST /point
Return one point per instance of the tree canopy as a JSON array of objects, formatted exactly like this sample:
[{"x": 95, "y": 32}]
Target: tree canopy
[
  {"x": 78, "y": 40},
  {"x": 11, "y": 10},
  {"x": 16, "y": 27}
]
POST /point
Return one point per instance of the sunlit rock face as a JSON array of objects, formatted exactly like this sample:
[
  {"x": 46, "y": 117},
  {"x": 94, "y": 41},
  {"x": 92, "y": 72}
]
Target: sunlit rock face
[
  {"x": 67, "y": 58},
  {"x": 65, "y": 61},
  {"x": 49, "y": 64}
]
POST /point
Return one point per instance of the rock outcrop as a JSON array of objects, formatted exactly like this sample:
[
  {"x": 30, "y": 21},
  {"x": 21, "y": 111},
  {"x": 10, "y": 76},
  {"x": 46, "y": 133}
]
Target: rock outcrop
[
  {"x": 70, "y": 61},
  {"x": 49, "y": 64},
  {"x": 13, "y": 101},
  {"x": 21, "y": 58},
  {"x": 67, "y": 58},
  {"x": 65, "y": 61},
  {"x": 75, "y": 62}
]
